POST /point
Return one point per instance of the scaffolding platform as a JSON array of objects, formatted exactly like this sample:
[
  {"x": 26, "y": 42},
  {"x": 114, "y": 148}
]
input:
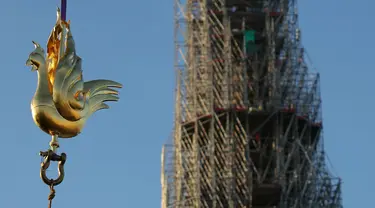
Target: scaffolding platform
[{"x": 262, "y": 120}]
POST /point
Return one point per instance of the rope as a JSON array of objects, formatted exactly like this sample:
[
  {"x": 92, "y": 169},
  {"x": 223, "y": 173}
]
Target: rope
[{"x": 51, "y": 195}]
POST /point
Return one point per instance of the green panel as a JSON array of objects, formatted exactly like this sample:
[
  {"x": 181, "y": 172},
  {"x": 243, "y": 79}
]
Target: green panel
[
  {"x": 251, "y": 47},
  {"x": 249, "y": 35}
]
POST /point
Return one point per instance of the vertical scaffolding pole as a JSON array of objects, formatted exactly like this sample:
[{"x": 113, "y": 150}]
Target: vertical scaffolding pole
[{"x": 215, "y": 159}]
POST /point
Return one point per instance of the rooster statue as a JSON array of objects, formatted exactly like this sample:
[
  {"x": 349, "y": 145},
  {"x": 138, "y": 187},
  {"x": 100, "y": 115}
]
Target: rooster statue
[{"x": 63, "y": 102}]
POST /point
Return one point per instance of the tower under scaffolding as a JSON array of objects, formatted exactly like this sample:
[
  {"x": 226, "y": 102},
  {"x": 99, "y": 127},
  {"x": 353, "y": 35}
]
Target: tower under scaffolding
[{"x": 248, "y": 129}]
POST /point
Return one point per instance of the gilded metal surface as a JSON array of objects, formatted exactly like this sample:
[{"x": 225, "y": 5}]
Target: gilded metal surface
[{"x": 63, "y": 102}]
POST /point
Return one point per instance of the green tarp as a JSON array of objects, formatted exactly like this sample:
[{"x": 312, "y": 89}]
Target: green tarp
[
  {"x": 250, "y": 45},
  {"x": 251, "y": 48},
  {"x": 250, "y": 36}
]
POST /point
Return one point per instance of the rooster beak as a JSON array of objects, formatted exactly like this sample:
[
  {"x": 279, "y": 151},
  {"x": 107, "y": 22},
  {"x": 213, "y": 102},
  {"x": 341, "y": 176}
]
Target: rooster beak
[{"x": 30, "y": 63}]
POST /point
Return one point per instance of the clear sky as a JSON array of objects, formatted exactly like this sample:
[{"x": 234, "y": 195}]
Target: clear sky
[{"x": 115, "y": 162}]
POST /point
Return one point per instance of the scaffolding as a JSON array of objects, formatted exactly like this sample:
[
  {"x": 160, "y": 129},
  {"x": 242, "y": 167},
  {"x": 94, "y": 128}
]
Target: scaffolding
[{"x": 248, "y": 128}]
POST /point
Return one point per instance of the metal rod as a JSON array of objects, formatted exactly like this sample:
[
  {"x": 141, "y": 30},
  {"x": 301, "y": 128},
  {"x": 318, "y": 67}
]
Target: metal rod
[
  {"x": 54, "y": 144},
  {"x": 63, "y": 19},
  {"x": 63, "y": 10}
]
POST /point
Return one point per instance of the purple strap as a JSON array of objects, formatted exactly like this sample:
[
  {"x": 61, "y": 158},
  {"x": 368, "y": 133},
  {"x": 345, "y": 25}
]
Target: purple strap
[{"x": 63, "y": 10}]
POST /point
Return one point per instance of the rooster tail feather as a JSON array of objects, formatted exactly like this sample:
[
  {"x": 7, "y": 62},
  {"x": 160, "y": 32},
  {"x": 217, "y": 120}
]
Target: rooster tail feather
[
  {"x": 100, "y": 91},
  {"x": 98, "y": 102},
  {"x": 100, "y": 107},
  {"x": 92, "y": 87}
]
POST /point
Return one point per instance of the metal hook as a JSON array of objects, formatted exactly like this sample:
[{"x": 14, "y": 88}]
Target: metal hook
[{"x": 48, "y": 157}]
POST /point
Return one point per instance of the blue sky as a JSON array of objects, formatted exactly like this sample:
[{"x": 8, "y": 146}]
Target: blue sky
[{"x": 115, "y": 162}]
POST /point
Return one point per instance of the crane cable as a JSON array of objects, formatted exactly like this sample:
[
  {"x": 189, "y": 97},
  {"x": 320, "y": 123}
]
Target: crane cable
[
  {"x": 51, "y": 195},
  {"x": 51, "y": 186}
]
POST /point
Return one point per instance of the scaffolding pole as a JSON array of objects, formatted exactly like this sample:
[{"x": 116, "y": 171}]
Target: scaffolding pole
[{"x": 248, "y": 127}]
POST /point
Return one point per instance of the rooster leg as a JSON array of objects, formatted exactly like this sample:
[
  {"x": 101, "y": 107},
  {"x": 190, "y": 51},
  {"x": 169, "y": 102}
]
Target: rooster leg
[{"x": 54, "y": 144}]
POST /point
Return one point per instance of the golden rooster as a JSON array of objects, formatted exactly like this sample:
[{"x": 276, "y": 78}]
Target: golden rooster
[{"x": 63, "y": 101}]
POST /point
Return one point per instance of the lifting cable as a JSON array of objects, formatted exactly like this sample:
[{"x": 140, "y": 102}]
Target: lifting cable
[
  {"x": 51, "y": 155},
  {"x": 51, "y": 196}
]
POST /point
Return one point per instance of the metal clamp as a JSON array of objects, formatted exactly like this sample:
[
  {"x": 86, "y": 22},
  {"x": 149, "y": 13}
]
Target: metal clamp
[{"x": 48, "y": 157}]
